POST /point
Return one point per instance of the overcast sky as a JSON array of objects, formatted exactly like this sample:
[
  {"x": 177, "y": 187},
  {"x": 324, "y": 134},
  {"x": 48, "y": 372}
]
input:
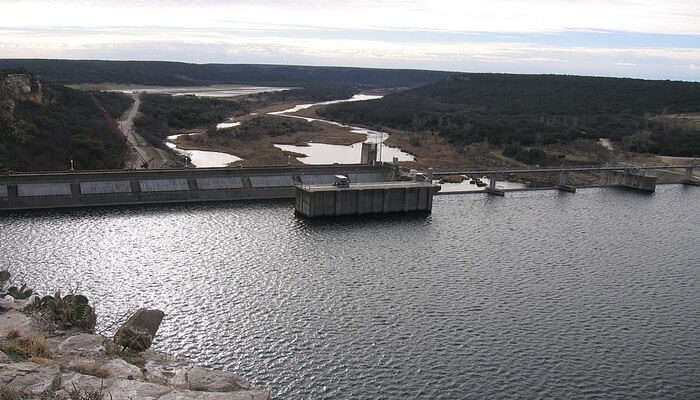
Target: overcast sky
[{"x": 657, "y": 39}]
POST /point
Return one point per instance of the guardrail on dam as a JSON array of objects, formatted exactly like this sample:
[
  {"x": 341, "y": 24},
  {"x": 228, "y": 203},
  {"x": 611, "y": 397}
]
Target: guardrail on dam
[{"x": 19, "y": 191}]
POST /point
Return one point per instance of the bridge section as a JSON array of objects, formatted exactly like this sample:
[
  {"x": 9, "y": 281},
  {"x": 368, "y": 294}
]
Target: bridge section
[{"x": 640, "y": 178}]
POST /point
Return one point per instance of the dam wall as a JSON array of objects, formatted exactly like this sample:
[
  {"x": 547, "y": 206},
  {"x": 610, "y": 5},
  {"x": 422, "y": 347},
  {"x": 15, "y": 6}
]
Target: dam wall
[{"x": 19, "y": 191}]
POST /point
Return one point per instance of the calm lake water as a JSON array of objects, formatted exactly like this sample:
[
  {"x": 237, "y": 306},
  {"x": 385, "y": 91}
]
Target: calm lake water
[{"x": 536, "y": 295}]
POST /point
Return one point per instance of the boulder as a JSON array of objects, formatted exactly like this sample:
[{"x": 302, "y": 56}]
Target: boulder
[
  {"x": 4, "y": 359},
  {"x": 119, "y": 368},
  {"x": 138, "y": 331},
  {"x": 6, "y": 301},
  {"x": 16, "y": 321},
  {"x": 208, "y": 380},
  {"x": 83, "y": 344},
  {"x": 31, "y": 377}
]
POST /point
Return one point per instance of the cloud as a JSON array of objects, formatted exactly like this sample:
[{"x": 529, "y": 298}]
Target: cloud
[
  {"x": 669, "y": 16},
  {"x": 479, "y": 53},
  {"x": 637, "y": 38}
]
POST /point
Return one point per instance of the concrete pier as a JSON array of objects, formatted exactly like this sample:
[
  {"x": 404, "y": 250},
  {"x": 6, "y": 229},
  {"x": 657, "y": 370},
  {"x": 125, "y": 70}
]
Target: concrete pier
[
  {"x": 632, "y": 178},
  {"x": 564, "y": 185},
  {"x": 364, "y": 198},
  {"x": 491, "y": 188},
  {"x": 689, "y": 179}
]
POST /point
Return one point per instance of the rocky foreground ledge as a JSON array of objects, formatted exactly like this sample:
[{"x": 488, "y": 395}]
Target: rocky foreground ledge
[{"x": 77, "y": 365}]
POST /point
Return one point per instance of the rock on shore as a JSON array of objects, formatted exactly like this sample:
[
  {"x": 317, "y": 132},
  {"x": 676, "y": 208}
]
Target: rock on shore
[{"x": 93, "y": 363}]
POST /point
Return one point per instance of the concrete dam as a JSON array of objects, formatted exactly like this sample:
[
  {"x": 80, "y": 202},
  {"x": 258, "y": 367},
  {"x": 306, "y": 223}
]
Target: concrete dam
[{"x": 21, "y": 191}]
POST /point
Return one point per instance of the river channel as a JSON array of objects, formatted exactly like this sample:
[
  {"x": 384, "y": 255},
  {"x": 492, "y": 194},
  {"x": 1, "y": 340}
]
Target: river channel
[
  {"x": 538, "y": 295},
  {"x": 314, "y": 153}
]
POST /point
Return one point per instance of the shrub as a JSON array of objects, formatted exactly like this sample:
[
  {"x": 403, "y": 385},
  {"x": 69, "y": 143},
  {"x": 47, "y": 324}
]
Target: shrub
[
  {"x": 20, "y": 293},
  {"x": 68, "y": 311}
]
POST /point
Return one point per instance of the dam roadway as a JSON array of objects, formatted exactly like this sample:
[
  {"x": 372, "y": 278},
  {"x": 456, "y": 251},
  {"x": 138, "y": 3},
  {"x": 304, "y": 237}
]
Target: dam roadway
[{"x": 20, "y": 191}]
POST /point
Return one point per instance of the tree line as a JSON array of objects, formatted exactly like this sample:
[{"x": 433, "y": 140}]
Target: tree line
[
  {"x": 66, "y": 125},
  {"x": 535, "y": 109}
]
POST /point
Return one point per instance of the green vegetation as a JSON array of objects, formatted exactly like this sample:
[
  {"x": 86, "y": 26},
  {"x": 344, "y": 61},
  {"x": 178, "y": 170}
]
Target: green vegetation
[
  {"x": 527, "y": 156},
  {"x": 174, "y": 73},
  {"x": 20, "y": 293},
  {"x": 531, "y": 110},
  {"x": 68, "y": 311},
  {"x": 264, "y": 126},
  {"x": 64, "y": 125},
  {"x": 114, "y": 103},
  {"x": 160, "y": 113},
  {"x": 311, "y": 93}
]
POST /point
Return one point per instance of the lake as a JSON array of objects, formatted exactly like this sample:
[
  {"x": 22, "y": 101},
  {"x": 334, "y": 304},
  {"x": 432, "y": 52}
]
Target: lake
[{"x": 536, "y": 295}]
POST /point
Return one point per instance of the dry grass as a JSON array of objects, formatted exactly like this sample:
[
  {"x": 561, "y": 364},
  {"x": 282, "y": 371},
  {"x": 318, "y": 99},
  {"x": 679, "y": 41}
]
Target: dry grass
[
  {"x": 8, "y": 393},
  {"x": 452, "y": 179},
  {"x": 37, "y": 346},
  {"x": 91, "y": 368},
  {"x": 27, "y": 347}
]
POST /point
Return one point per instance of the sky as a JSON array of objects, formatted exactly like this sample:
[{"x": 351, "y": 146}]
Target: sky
[{"x": 657, "y": 39}]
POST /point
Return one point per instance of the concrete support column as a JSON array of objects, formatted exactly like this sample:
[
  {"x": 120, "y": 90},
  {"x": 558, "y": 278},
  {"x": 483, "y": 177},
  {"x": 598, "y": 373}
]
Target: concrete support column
[
  {"x": 564, "y": 185},
  {"x": 688, "y": 179},
  {"x": 135, "y": 188},
  {"x": 491, "y": 189},
  {"x": 75, "y": 191},
  {"x": 12, "y": 193},
  {"x": 194, "y": 188}
]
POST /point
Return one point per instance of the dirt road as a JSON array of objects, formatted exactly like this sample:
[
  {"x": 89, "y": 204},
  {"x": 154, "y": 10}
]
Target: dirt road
[{"x": 140, "y": 150}]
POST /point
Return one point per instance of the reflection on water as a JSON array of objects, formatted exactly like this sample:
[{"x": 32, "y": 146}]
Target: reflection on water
[
  {"x": 203, "y": 159},
  {"x": 228, "y": 124},
  {"x": 538, "y": 295},
  {"x": 321, "y": 153},
  {"x": 357, "y": 97}
]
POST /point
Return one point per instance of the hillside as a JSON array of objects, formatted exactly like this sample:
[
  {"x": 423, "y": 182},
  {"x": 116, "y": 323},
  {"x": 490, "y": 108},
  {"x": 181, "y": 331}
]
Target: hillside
[
  {"x": 44, "y": 126},
  {"x": 183, "y": 74},
  {"x": 538, "y": 109}
]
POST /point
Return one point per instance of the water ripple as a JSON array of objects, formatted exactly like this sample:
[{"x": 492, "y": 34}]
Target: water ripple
[{"x": 536, "y": 295}]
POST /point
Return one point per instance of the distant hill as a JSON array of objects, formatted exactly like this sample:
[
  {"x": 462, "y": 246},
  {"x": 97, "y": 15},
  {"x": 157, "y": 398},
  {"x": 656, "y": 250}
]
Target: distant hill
[
  {"x": 44, "y": 126},
  {"x": 183, "y": 74},
  {"x": 531, "y": 109}
]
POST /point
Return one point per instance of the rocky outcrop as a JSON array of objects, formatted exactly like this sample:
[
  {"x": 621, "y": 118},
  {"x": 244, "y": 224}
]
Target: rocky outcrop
[
  {"x": 21, "y": 87},
  {"x": 94, "y": 363},
  {"x": 139, "y": 330},
  {"x": 14, "y": 88}
]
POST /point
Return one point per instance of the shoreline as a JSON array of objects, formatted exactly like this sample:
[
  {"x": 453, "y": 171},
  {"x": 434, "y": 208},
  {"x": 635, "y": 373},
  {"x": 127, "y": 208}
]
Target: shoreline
[{"x": 66, "y": 360}]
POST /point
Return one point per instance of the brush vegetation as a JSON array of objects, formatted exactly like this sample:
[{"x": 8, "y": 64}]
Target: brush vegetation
[
  {"x": 538, "y": 109},
  {"x": 63, "y": 125}
]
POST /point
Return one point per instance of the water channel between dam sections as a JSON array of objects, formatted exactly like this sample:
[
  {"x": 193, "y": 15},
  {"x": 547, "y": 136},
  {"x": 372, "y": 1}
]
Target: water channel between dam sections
[
  {"x": 536, "y": 295},
  {"x": 316, "y": 153}
]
